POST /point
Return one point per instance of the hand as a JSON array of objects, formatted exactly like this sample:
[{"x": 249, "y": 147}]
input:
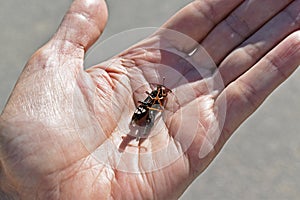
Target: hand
[{"x": 61, "y": 131}]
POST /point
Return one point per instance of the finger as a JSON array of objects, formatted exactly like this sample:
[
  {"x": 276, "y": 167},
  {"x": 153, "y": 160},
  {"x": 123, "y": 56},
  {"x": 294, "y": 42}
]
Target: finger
[
  {"x": 249, "y": 52},
  {"x": 195, "y": 21},
  {"x": 82, "y": 25},
  {"x": 243, "y": 21},
  {"x": 244, "y": 95}
]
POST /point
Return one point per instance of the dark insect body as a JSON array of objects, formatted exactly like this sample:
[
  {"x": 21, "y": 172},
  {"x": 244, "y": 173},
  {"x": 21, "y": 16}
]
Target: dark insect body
[
  {"x": 156, "y": 97},
  {"x": 143, "y": 117}
]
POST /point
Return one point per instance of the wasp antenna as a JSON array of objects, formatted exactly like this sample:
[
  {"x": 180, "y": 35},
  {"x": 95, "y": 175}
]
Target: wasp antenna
[{"x": 163, "y": 81}]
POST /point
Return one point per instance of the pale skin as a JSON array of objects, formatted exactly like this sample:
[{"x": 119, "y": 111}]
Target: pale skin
[{"x": 55, "y": 119}]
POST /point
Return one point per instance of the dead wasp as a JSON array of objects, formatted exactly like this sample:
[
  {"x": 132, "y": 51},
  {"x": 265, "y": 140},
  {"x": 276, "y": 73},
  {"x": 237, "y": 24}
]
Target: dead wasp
[
  {"x": 156, "y": 97},
  {"x": 143, "y": 117}
]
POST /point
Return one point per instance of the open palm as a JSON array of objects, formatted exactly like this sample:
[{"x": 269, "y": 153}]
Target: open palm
[{"x": 65, "y": 131}]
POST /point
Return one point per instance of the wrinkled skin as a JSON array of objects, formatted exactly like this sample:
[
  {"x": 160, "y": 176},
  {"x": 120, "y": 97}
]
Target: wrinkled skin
[{"x": 59, "y": 115}]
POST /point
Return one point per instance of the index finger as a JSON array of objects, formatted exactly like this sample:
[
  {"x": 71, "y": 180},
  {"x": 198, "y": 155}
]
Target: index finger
[{"x": 196, "y": 20}]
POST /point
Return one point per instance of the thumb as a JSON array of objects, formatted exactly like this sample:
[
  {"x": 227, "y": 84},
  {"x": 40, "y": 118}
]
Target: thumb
[{"x": 83, "y": 24}]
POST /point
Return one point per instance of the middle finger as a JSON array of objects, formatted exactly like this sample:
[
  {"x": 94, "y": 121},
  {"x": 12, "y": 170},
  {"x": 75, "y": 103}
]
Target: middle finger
[{"x": 241, "y": 23}]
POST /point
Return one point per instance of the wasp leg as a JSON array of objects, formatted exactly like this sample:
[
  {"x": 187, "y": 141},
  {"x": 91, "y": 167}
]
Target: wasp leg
[
  {"x": 160, "y": 103},
  {"x": 125, "y": 142},
  {"x": 138, "y": 146},
  {"x": 156, "y": 109}
]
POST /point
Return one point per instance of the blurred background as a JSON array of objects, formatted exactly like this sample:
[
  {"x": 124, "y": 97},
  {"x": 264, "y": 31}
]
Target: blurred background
[{"x": 262, "y": 159}]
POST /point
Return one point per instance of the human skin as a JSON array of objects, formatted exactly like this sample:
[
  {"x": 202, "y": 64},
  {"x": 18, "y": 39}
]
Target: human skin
[{"x": 51, "y": 125}]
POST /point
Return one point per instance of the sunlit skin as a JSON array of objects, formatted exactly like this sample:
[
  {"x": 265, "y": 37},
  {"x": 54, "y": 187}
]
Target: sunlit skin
[{"x": 59, "y": 113}]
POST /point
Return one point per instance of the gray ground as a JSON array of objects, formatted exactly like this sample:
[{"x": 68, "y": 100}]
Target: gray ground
[{"x": 262, "y": 159}]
